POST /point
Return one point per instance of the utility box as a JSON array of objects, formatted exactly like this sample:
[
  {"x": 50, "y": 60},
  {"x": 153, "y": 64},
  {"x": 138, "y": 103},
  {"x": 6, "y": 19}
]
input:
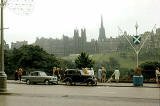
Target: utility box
[{"x": 138, "y": 80}]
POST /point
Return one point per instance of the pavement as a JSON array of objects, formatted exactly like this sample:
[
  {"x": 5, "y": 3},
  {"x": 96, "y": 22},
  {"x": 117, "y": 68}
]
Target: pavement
[
  {"x": 145, "y": 85},
  {"x": 104, "y": 94}
]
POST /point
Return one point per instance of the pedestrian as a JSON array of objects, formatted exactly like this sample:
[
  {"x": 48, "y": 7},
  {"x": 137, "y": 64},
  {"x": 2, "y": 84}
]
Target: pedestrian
[
  {"x": 54, "y": 69},
  {"x": 57, "y": 73},
  {"x": 100, "y": 75},
  {"x": 117, "y": 74},
  {"x": 92, "y": 71},
  {"x": 103, "y": 75},
  {"x": 157, "y": 75},
  {"x": 61, "y": 72},
  {"x": 20, "y": 72},
  {"x": 16, "y": 75}
]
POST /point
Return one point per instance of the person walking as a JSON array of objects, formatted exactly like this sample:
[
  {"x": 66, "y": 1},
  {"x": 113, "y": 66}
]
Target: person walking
[
  {"x": 117, "y": 74},
  {"x": 157, "y": 76},
  {"x": 100, "y": 75},
  {"x": 103, "y": 75},
  {"x": 16, "y": 75},
  {"x": 20, "y": 72}
]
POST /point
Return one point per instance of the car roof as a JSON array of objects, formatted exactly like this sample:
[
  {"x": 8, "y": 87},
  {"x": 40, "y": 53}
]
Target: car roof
[
  {"x": 37, "y": 71},
  {"x": 71, "y": 69}
]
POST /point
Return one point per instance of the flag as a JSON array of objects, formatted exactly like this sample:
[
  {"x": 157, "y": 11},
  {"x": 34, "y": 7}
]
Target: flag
[{"x": 137, "y": 40}]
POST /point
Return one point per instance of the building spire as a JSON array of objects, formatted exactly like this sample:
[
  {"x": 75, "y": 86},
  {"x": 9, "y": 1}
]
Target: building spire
[
  {"x": 102, "y": 36},
  {"x": 101, "y": 21}
]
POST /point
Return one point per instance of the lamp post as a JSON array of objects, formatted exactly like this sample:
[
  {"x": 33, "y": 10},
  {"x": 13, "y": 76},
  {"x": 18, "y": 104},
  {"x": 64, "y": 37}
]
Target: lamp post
[
  {"x": 26, "y": 7},
  {"x": 3, "y": 76}
]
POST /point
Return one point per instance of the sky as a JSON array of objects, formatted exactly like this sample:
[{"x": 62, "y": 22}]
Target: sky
[{"x": 53, "y": 18}]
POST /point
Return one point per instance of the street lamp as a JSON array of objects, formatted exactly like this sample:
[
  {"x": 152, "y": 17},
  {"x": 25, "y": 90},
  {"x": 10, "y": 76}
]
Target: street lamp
[
  {"x": 136, "y": 26},
  {"x": 3, "y": 76}
]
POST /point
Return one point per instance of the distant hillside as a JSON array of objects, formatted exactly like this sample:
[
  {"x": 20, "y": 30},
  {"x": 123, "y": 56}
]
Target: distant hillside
[{"x": 127, "y": 61}]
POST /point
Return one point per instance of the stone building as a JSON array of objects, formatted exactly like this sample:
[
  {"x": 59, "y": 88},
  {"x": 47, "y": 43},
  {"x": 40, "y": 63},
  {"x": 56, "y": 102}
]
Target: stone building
[
  {"x": 18, "y": 44},
  {"x": 78, "y": 43}
]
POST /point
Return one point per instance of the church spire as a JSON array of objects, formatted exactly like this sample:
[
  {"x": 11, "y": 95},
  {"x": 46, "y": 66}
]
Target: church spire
[
  {"x": 102, "y": 36},
  {"x": 101, "y": 21}
]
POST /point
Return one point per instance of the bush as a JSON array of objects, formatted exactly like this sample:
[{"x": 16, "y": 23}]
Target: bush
[{"x": 148, "y": 69}]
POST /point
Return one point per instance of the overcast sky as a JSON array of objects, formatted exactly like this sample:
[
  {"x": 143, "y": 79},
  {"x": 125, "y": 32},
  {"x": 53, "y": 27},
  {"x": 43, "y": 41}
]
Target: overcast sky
[{"x": 53, "y": 18}]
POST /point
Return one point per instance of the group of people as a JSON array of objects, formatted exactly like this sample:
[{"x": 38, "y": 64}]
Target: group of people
[
  {"x": 18, "y": 74},
  {"x": 59, "y": 72},
  {"x": 102, "y": 75}
]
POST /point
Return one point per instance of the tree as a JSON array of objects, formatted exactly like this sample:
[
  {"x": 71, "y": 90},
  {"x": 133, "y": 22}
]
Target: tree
[
  {"x": 30, "y": 57},
  {"x": 83, "y": 61},
  {"x": 66, "y": 64},
  {"x": 113, "y": 62}
]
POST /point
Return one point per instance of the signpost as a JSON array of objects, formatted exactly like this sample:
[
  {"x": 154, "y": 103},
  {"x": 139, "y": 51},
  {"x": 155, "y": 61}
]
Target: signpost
[
  {"x": 137, "y": 80},
  {"x": 137, "y": 41}
]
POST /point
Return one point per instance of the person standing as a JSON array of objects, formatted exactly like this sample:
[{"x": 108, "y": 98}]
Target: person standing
[
  {"x": 117, "y": 74},
  {"x": 100, "y": 75},
  {"x": 92, "y": 71},
  {"x": 54, "y": 69},
  {"x": 103, "y": 75},
  {"x": 16, "y": 75},
  {"x": 20, "y": 72},
  {"x": 57, "y": 73},
  {"x": 157, "y": 76}
]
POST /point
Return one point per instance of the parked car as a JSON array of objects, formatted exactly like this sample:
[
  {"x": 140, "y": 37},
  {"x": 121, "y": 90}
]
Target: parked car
[
  {"x": 74, "y": 76},
  {"x": 39, "y": 77}
]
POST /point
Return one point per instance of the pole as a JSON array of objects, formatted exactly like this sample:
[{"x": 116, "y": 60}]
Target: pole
[
  {"x": 3, "y": 76},
  {"x": 137, "y": 57},
  {"x": 137, "y": 52}
]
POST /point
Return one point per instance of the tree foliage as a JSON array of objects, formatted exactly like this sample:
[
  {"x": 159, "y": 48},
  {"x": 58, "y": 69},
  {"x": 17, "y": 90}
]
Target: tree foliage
[
  {"x": 83, "y": 61},
  {"x": 148, "y": 69},
  {"x": 29, "y": 57}
]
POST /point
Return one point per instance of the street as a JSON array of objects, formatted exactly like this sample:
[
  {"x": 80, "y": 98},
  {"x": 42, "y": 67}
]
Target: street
[{"x": 62, "y": 95}]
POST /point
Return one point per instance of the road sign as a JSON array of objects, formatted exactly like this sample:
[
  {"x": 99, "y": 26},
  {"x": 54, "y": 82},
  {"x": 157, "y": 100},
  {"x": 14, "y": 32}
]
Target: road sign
[{"x": 137, "y": 40}]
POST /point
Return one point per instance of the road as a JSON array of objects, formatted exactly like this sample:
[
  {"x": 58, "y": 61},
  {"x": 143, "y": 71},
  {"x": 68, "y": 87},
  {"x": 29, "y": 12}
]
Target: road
[{"x": 61, "y": 95}]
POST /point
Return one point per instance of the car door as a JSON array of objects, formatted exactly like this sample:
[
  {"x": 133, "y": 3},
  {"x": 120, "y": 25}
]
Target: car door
[
  {"x": 39, "y": 78},
  {"x": 68, "y": 74},
  {"x": 77, "y": 76},
  {"x": 34, "y": 76}
]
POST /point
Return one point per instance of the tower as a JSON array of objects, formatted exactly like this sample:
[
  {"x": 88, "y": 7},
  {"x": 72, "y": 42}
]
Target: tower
[
  {"x": 83, "y": 34},
  {"x": 102, "y": 36},
  {"x": 76, "y": 39},
  {"x": 83, "y": 39}
]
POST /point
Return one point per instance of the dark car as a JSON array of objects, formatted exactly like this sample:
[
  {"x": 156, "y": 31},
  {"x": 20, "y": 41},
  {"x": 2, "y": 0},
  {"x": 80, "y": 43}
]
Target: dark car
[{"x": 74, "y": 76}]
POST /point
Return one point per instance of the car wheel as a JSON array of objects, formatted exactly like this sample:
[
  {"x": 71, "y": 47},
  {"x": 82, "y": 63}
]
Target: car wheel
[
  {"x": 90, "y": 83},
  {"x": 68, "y": 83},
  {"x": 46, "y": 82},
  {"x": 57, "y": 83},
  {"x": 28, "y": 82},
  {"x": 95, "y": 83}
]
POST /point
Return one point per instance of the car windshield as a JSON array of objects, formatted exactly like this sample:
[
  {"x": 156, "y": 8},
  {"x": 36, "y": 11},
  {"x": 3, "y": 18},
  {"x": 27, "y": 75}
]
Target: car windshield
[{"x": 43, "y": 74}]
